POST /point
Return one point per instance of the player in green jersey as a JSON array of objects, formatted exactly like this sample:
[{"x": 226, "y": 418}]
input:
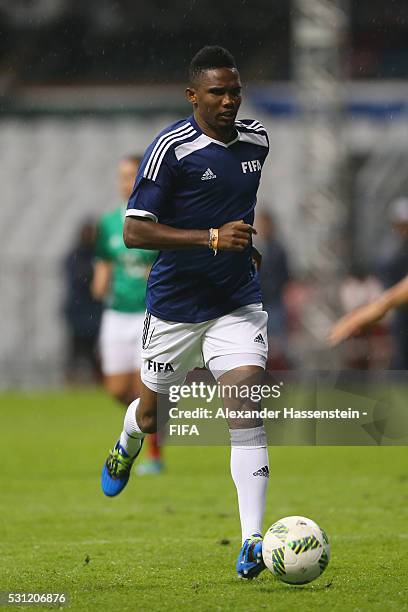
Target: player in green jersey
[{"x": 120, "y": 281}]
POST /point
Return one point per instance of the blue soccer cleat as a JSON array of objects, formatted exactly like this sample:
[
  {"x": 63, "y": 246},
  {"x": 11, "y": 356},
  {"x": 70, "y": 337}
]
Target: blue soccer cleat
[
  {"x": 116, "y": 471},
  {"x": 250, "y": 562}
]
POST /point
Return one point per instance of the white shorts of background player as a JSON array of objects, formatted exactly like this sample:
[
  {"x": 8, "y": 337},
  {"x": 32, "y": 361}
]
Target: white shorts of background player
[{"x": 120, "y": 342}]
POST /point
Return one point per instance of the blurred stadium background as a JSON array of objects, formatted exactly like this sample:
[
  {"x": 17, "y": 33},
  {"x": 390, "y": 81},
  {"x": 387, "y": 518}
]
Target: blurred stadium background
[{"x": 81, "y": 84}]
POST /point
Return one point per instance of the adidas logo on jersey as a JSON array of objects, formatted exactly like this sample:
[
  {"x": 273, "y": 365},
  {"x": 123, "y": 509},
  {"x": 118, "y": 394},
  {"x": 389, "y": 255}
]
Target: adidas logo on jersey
[
  {"x": 208, "y": 175},
  {"x": 263, "y": 471},
  {"x": 259, "y": 339}
]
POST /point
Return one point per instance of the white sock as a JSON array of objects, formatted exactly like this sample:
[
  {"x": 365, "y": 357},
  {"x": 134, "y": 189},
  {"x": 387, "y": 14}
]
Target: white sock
[
  {"x": 250, "y": 473},
  {"x": 131, "y": 436}
]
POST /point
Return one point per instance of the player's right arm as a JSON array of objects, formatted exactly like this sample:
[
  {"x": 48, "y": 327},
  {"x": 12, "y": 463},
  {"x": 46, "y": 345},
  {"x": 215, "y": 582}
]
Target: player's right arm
[
  {"x": 369, "y": 314},
  {"x": 157, "y": 178},
  {"x": 142, "y": 233},
  {"x": 101, "y": 279}
]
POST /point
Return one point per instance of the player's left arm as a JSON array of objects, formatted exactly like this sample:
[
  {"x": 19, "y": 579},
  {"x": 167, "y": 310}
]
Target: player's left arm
[{"x": 256, "y": 255}]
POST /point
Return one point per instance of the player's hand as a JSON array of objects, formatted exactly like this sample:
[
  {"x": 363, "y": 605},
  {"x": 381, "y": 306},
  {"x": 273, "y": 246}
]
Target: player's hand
[
  {"x": 256, "y": 258},
  {"x": 235, "y": 236}
]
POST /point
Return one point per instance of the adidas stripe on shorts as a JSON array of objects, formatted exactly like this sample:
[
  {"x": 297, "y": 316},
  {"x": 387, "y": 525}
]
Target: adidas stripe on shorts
[{"x": 170, "y": 350}]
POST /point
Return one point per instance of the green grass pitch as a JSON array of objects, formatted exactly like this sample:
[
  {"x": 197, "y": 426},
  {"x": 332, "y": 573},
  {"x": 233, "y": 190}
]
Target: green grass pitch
[{"x": 169, "y": 542}]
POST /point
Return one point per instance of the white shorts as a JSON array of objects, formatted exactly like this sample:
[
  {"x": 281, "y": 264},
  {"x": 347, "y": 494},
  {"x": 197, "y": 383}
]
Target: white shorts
[
  {"x": 120, "y": 341},
  {"x": 170, "y": 350}
]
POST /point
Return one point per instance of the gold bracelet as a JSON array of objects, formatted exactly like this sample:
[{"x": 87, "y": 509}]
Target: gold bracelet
[{"x": 213, "y": 240}]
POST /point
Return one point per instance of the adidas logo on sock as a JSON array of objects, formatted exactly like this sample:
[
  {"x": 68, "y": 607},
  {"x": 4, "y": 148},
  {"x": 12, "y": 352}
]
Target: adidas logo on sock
[
  {"x": 263, "y": 471},
  {"x": 208, "y": 174},
  {"x": 259, "y": 339}
]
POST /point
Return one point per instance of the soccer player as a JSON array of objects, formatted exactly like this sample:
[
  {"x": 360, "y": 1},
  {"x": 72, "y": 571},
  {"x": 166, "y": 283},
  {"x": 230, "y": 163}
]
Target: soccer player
[
  {"x": 120, "y": 277},
  {"x": 366, "y": 315},
  {"x": 194, "y": 200}
]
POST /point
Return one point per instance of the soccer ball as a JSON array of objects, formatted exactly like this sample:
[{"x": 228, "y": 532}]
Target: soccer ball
[{"x": 296, "y": 550}]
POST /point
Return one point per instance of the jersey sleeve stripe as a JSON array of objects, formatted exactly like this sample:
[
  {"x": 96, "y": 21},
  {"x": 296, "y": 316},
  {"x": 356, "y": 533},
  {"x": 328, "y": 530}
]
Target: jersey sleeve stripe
[
  {"x": 155, "y": 170},
  {"x": 252, "y": 130},
  {"x": 161, "y": 142},
  {"x": 189, "y": 147},
  {"x": 133, "y": 212},
  {"x": 253, "y": 126},
  {"x": 258, "y": 139}
]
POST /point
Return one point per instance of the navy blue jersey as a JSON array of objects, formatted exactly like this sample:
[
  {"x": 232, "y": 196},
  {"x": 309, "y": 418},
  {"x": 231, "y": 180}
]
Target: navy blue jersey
[{"x": 190, "y": 181}]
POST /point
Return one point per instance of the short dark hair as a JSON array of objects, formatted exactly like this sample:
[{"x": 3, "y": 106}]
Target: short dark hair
[{"x": 208, "y": 58}]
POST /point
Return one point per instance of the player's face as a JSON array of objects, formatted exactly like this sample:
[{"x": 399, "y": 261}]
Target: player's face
[
  {"x": 216, "y": 98},
  {"x": 127, "y": 171}
]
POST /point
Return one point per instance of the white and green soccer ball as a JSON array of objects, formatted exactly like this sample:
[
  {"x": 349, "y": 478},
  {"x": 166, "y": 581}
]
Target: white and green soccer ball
[{"x": 296, "y": 550}]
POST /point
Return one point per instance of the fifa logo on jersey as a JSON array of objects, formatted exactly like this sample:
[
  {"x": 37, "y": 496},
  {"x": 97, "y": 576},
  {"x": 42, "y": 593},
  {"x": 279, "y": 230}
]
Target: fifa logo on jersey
[
  {"x": 158, "y": 366},
  {"x": 251, "y": 166}
]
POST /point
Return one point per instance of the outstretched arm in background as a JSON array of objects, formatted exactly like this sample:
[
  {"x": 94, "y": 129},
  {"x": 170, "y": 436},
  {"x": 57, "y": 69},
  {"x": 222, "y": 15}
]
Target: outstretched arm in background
[{"x": 369, "y": 314}]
